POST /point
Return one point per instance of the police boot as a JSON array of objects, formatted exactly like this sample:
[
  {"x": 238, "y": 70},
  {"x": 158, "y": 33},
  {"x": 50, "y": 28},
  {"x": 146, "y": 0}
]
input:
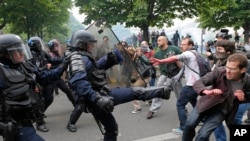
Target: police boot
[
  {"x": 166, "y": 92},
  {"x": 75, "y": 115},
  {"x": 71, "y": 127},
  {"x": 151, "y": 92},
  {"x": 42, "y": 128}
]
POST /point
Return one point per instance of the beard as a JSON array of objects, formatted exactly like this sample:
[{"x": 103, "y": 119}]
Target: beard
[
  {"x": 160, "y": 46},
  {"x": 220, "y": 55}
]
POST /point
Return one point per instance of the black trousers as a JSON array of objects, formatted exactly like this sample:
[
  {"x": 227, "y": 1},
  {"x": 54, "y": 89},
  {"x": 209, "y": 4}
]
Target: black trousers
[
  {"x": 63, "y": 87},
  {"x": 48, "y": 93}
]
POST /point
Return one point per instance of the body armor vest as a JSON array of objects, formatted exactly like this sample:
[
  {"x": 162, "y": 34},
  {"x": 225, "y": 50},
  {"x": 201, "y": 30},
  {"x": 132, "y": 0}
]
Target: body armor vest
[
  {"x": 16, "y": 98},
  {"x": 39, "y": 59},
  {"x": 96, "y": 77}
]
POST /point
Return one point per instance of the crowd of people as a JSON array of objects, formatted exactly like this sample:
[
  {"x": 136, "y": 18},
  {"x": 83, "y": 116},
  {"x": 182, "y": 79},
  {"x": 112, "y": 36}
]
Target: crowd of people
[
  {"x": 31, "y": 73},
  {"x": 136, "y": 39}
]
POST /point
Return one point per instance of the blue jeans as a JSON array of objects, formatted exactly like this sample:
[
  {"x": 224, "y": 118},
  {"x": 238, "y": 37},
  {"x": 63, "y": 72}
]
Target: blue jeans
[
  {"x": 152, "y": 81},
  {"x": 212, "y": 119},
  {"x": 220, "y": 133},
  {"x": 27, "y": 133},
  {"x": 187, "y": 94},
  {"x": 241, "y": 110}
]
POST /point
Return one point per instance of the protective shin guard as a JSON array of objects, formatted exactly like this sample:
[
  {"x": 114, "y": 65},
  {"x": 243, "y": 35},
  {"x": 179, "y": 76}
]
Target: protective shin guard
[
  {"x": 75, "y": 115},
  {"x": 111, "y": 135}
]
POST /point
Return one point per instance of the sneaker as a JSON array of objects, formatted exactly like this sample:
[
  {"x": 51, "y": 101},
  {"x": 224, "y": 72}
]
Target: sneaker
[
  {"x": 247, "y": 121},
  {"x": 150, "y": 115},
  {"x": 42, "y": 128},
  {"x": 177, "y": 131},
  {"x": 136, "y": 111}
]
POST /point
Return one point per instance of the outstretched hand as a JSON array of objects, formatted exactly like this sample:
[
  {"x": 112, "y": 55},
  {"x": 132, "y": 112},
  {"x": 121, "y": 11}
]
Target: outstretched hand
[{"x": 155, "y": 61}]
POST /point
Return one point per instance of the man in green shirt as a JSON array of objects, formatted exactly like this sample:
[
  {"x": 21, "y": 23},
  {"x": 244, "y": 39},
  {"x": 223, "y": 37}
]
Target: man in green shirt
[{"x": 166, "y": 70}]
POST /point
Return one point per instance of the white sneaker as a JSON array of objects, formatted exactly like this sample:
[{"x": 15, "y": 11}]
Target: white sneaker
[
  {"x": 136, "y": 111},
  {"x": 177, "y": 131}
]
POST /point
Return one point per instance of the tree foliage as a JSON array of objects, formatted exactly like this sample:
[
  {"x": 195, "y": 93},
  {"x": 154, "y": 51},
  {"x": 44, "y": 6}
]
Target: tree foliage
[
  {"x": 137, "y": 13},
  {"x": 225, "y": 13},
  {"x": 35, "y": 17}
]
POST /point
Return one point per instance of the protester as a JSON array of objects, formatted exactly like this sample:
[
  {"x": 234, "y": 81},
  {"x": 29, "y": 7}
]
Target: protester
[
  {"x": 187, "y": 93},
  {"x": 229, "y": 87}
]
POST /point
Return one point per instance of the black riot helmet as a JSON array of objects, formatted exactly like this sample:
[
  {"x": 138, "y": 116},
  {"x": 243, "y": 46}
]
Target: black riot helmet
[
  {"x": 52, "y": 44},
  {"x": 13, "y": 50},
  {"x": 80, "y": 39},
  {"x": 36, "y": 44}
]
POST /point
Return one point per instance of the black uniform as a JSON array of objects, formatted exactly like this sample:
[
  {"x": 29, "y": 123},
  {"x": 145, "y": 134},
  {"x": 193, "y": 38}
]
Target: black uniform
[
  {"x": 41, "y": 59},
  {"x": 19, "y": 90}
]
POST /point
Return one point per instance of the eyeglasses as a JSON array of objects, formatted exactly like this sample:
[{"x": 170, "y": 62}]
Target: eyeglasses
[{"x": 231, "y": 69}]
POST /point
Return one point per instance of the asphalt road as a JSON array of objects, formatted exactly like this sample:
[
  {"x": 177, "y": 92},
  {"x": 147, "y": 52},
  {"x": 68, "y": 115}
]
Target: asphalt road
[{"x": 132, "y": 127}]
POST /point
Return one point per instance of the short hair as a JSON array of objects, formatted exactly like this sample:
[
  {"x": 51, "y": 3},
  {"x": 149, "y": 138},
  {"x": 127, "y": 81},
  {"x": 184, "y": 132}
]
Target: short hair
[
  {"x": 145, "y": 42},
  {"x": 229, "y": 46},
  {"x": 239, "y": 57},
  {"x": 190, "y": 41}
]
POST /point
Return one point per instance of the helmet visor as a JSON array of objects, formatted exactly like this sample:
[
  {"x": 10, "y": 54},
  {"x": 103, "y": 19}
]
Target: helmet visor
[
  {"x": 39, "y": 45},
  {"x": 19, "y": 53}
]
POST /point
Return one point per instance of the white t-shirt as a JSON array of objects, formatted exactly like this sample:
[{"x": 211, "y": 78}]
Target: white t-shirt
[{"x": 190, "y": 59}]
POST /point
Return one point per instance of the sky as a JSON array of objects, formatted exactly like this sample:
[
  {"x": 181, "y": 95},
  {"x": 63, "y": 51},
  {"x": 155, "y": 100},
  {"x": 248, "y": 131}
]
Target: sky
[{"x": 79, "y": 17}]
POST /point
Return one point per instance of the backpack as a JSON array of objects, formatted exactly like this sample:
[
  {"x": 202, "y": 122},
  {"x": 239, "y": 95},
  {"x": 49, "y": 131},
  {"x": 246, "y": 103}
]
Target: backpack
[{"x": 203, "y": 64}]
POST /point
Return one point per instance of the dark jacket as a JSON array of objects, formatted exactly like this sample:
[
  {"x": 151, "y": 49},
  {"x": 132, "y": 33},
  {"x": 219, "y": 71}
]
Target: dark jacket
[{"x": 217, "y": 79}]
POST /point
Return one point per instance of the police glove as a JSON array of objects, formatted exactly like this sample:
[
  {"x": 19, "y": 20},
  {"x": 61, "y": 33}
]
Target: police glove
[
  {"x": 65, "y": 63},
  {"x": 115, "y": 56},
  {"x": 105, "y": 103}
]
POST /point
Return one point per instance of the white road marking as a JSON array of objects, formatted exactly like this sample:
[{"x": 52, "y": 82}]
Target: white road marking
[{"x": 162, "y": 137}]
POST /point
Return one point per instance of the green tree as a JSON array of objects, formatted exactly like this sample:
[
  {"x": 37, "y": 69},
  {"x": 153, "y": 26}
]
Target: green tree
[
  {"x": 225, "y": 13},
  {"x": 35, "y": 17},
  {"x": 137, "y": 13},
  {"x": 3, "y": 14}
]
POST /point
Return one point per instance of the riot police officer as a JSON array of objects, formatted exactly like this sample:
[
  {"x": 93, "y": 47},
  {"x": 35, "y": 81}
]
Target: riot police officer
[
  {"x": 18, "y": 89},
  {"x": 54, "y": 51},
  {"x": 43, "y": 61},
  {"x": 87, "y": 79},
  {"x": 40, "y": 59}
]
